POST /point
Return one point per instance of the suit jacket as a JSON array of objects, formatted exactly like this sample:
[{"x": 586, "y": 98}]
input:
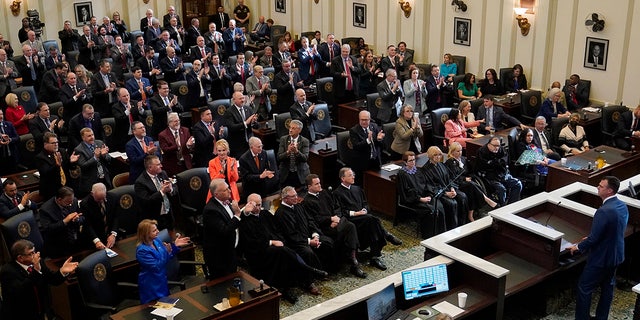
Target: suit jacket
[
  {"x": 101, "y": 225},
  {"x": 137, "y": 51},
  {"x": 590, "y": 58},
  {"x": 102, "y": 100},
  {"x": 62, "y": 239},
  {"x": 624, "y": 125},
  {"x": 286, "y": 92},
  {"x": 220, "y": 24},
  {"x": 210, "y": 40},
  {"x": 145, "y": 23},
  {"x": 404, "y": 136},
  {"x": 8, "y": 209},
  {"x": 123, "y": 123},
  {"x": 37, "y": 127},
  {"x": 195, "y": 53},
  {"x": 152, "y": 279},
  {"x": 194, "y": 84},
  {"x": 173, "y": 71},
  {"x": 605, "y": 243},
  {"x": 278, "y": 60},
  {"x": 144, "y": 65},
  {"x": 581, "y": 95},
  {"x": 23, "y": 291},
  {"x": 499, "y": 117},
  {"x": 121, "y": 61},
  {"x": 300, "y": 158},
  {"x": 151, "y": 35},
  {"x": 49, "y": 63},
  {"x": 387, "y": 111},
  {"x": 385, "y": 64},
  {"x": 546, "y": 110},
  {"x": 229, "y": 173},
  {"x": 509, "y": 84},
  {"x": 136, "y": 156},
  {"x": 299, "y": 112},
  {"x": 89, "y": 167},
  {"x": 265, "y": 61},
  {"x": 306, "y": 60},
  {"x": 69, "y": 40},
  {"x": 105, "y": 43},
  {"x": 362, "y": 149},
  {"x": 250, "y": 175},
  {"x": 339, "y": 82},
  {"x": 433, "y": 93},
  {"x": 204, "y": 143},
  {"x": 149, "y": 198},
  {"x": 88, "y": 56},
  {"x": 410, "y": 95},
  {"x": 160, "y": 47},
  {"x": 219, "y": 238},
  {"x": 236, "y": 75},
  {"x": 10, "y": 130},
  {"x": 238, "y": 135},
  {"x": 50, "y": 87},
  {"x": 325, "y": 53},
  {"x": 24, "y": 70},
  {"x": 7, "y": 82},
  {"x": 160, "y": 111},
  {"x": 166, "y": 20},
  {"x": 230, "y": 41},
  {"x": 191, "y": 37},
  {"x": 220, "y": 85},
  {"x": 50, "y": 180},
  {"x": 77, "y": 123},
  {"x": 170, "y": 150},
  {"x": 134, "y": 90},
  {"x": 252, "y": 88},
  {"x": 71, "y": 106}
]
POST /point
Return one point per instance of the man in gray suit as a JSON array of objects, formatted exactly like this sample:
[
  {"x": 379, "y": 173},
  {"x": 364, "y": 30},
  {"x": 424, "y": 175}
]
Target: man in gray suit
[
  {"x": 8, "y": 72},
  {"x": 292, "y": 156},
  {"x": 94, "y": 161},
  {"x": 390, "y": 91}
]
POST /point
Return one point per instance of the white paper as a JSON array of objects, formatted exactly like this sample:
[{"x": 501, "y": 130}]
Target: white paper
[
  {"x": 110, "y": 253},
  {"x": 166, "y": 312},
  {"x": 117, "y": 154},
  {"x": 391, "y": 167},
  {"x": 448, "y": 308}
]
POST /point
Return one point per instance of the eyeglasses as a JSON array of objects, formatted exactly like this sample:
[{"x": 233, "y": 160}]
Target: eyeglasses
[
  {"x": 411, "y": 160},
  {"x": 29, "y": 254},
  {"x": 495, "y": 145}
]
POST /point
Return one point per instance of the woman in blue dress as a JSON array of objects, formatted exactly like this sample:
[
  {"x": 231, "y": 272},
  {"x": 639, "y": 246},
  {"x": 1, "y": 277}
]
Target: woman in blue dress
[{"x": 153, "y": 255}]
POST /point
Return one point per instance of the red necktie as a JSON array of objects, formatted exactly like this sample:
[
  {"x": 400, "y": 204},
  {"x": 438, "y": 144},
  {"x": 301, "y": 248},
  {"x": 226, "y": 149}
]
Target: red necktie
[
  {"x": 348, "y": 71},
  {"x": 15, "y": 201},
  {"x": 262, "y": 98},
  {"x": 242, "y": 73},
  {"x": 255, "y": 158},
  {"x": 312, "y": 70}
]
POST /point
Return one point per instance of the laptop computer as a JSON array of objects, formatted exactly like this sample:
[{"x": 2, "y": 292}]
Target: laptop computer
[
  {"x": 382, "y": 306},
  {"x": 425, "y": 281}
]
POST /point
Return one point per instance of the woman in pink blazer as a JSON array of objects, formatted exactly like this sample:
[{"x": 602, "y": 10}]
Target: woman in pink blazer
[{"x": 454, "y": 129}]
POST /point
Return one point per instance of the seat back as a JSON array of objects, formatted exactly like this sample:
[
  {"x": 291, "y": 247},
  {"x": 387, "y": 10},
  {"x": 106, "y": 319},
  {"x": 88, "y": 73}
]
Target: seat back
[
  {"x": 47, "y": 44},
  {"x": 120, "y": 179},
  {"x": 193, "y": 187},
  {"x": 583, "y": 82},
  {"x": 345, "y": 148},
  {"x": 530, "y": 102},
  {"x": 232, "y": 60},
  {"x": 438, "y": 119},
  {"x": 94, "y": 279},
  {"x": 277, "y": 31},
  {"x": 22, "y": 226},
  {"x": 109, "y": 125},
  {"x": 461, "y": 63},
  {"x": 456, "y": 80},
  {"x": 56, "y": 109},
  {"x": 512, "y": 140},
  {"x": 322, "y": 123},
  {"x": 28, "y": 150},
  {"x": 325, "y": 90},
  {"x": 148, "y": 120},
  {"x": 271, "y": 73},
  {"x": 273, "y": 97},
  {"x": 505, "y": 74},
  {"x": 134, "y": 34},
  {"x": 180, "y": 89},
  {"x": 611, "y": 115},
  {"x": 309, "y": 34},
  {"x": 424, "y": 70},
  {"x": 476, "y": 104},
  {"x": 125, "y": 209},
  {"x": 388, "y": 129},
  {"x": 218, "y": 108},
  {"x": 352, "y": 42},
  {"x": 282, "y": 124},
  {"x": 374, "y": 103},
  {"x": 173, "y": 265},
  {"x": 27, "y": 98},
  {"x": 556, "y": 126}
]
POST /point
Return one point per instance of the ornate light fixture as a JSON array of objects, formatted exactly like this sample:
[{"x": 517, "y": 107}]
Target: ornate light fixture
[
  {"x": 15, "y": 7},
  {"x": 523, "y": 22},
  {"x": 406, "y": 7},
  {"x": 459, "y": 5}
]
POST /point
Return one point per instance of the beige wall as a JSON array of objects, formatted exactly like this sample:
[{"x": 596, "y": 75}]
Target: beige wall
[{"x": 553, "y": 49}]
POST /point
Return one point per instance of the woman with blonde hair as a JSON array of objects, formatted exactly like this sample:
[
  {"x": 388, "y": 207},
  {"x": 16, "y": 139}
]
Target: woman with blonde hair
[
  {"x": 457, "y": 166},
  {"x": 224, "y": 167},
  {"x": 153, "y": 255},
  {"x": 468, "y": 118},
  {"x": 16, "y": 114}
]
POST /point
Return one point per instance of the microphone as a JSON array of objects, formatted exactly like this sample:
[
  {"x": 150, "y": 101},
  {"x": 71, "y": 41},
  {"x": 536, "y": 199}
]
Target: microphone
[{"x": 546, "y": 223}]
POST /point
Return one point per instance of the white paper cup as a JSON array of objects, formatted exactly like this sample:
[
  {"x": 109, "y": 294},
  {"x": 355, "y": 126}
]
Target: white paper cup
[
  {"x": 563, "y": 161},
  {"x": 462, "y": 299}
]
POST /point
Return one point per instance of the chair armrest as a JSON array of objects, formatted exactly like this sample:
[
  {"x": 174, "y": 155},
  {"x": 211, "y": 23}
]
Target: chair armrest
[
  {"x": 336, "y": 128},
  {"x": 127, "y": 284},
  {"x": 100, "y": 306},
  {"x": 192, "y": 210},
  {"x": 182, "y": 285}
]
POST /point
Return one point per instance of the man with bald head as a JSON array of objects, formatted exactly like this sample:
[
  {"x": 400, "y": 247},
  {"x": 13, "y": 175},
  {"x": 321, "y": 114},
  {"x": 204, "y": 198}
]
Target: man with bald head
[
  {"x": 100, "y": 215},
  {"x": 200, "y": 51},
  {"x": 172, "y": 66},
  {"x": 8, "y": 73},
  {"x": 74, "y": 94},
  {"x": 34, "y": 43},
  {"x": 240, "y": 119},
  {"x": 171, "y": 14},
  {"x": 29, "y": 67},
  {"x": 286, "y": 82}
]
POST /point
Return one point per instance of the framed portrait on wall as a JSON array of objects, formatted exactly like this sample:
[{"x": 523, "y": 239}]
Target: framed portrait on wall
[
  {"x": 83, "y": 11},
  {"x": 595, "y": 53},
  {"x": 462, "y": 31},
  {"x": 360, "y": 15},
  {"x": 281, "y": 6}
]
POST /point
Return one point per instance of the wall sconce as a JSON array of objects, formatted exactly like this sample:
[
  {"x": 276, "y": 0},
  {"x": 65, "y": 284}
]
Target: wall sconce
[
  {"x": 316, "y": 1},
  {"x": 15, "y": 7},
  {"x": 459, "y": 5},
  {"x": 406, "y": 7},
  {"x": 523, "y": 22}
]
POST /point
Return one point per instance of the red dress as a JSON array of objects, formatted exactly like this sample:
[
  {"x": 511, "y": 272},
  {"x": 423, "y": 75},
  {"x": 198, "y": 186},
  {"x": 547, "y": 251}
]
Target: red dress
[
  {"x": 230, "y": 175},
  {"x": 14, "y": 115}
]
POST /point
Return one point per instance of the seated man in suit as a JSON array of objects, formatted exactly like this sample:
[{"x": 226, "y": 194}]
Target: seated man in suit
[
  {"x": 53, "y": 164},
  {"x": 9, "y": 141},
  {"x": 25, "y": 282},
  {"x": 94, "y": 161},
  {"x": 153, "y": 191},
  {"x": 366, "y": 138},
  {"x": 98, "y": 211},
  {"x": 258, "y": 173},
  {"x": 293, "y": 153},
  {"x": 137, "y": 149},
  {"x": 491, "y": 165},
  {"x": 627, "y": 127},
  {"x": 176, "y": 144},
  {"x": 494, "y": 116},
  {"x": 87, "y": 119},
  {"x": 350, "y": 202},
  {"x": 65, "y": 230},
  {"x": 576, "y": 93},
  {"x": 541, "y": 138},
  {"x": 318, "y": 202},
  {"x": 13, "y": 202}
]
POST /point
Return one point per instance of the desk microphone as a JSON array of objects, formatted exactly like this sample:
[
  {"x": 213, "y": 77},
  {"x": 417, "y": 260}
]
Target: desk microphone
[{"x": 546, "y": 223}]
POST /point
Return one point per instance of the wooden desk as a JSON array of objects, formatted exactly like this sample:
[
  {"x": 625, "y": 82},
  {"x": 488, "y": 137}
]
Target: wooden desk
[
  {"x": 621, "y": 164},
  {"x": 510, "y": 104},
  {"x": 25, "y": 181},
  {"x": 267, "y": 134},
  {"x": 324, "y": 163},
  {"x": 348, "y": 113},
  {"x": 380, "y": 188},
  {"x": 198, "y": 305},
  {"x": 475, "y": 144}
]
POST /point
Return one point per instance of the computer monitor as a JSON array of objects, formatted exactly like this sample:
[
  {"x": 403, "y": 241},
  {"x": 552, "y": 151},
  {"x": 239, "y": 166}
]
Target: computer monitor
[
  {"x": 425, "y": 281},
  {"x": 382, "y": 305}
]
